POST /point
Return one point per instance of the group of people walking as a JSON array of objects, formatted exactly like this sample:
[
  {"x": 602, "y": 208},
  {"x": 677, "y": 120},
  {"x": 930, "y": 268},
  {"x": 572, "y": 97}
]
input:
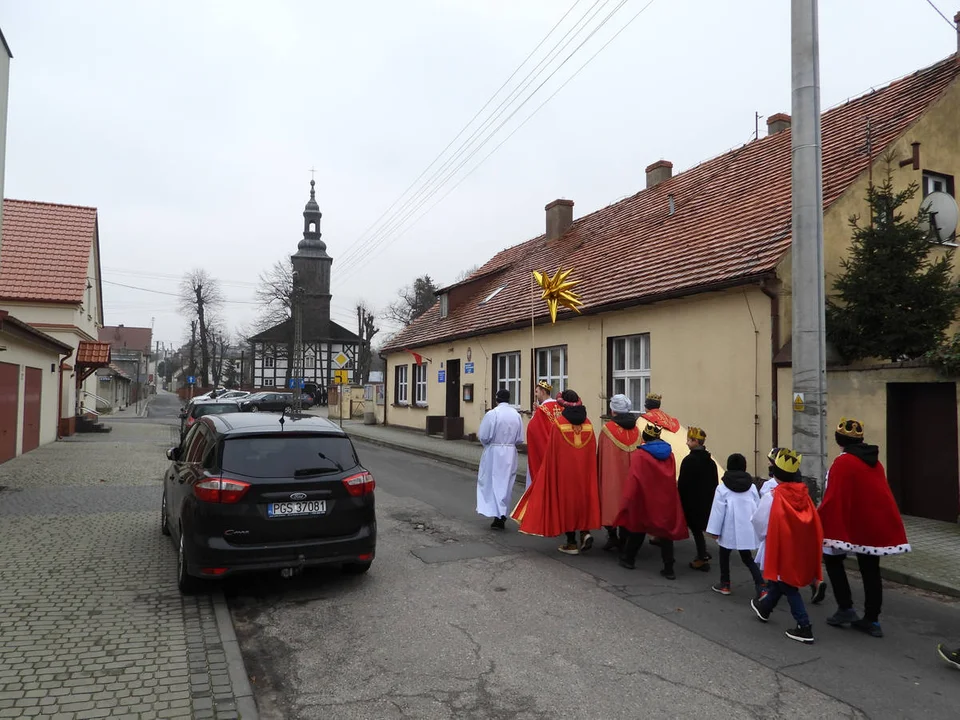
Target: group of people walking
[{"x": 627, "y": 482}]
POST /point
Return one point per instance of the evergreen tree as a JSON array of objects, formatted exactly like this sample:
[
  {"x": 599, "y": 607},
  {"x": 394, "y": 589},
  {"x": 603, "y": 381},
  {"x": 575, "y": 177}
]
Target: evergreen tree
[{"x": 894, "y": 302}]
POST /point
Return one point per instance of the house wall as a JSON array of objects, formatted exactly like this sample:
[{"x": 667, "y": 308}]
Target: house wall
[
  {"x": 27, "y": 355},
  {"x": 4, "y": 94},
  {"x": 713, "y": 373}
]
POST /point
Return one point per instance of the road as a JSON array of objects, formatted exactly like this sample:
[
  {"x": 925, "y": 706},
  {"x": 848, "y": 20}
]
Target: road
[{"x": 457, "y": 621}]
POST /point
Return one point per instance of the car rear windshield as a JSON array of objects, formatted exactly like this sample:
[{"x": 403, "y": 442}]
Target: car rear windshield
[
  {"x": 285, "y": 455},
  {"x": 213, "y": 409}
]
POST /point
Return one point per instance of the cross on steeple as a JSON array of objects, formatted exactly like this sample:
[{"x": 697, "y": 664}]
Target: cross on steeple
[{"x": 312, "y": 171}]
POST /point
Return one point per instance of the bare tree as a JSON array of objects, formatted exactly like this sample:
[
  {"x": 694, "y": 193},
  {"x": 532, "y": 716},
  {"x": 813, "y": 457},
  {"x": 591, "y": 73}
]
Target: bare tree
[
  {"x": 415, "y": 300},
  {"x": 464, "y": 274},
  {"x": 367, "y": 330},
  {"x": 193, "y": 348},
  {"x": 275, "y": 293},
  {"x": 200, "y": 296}
]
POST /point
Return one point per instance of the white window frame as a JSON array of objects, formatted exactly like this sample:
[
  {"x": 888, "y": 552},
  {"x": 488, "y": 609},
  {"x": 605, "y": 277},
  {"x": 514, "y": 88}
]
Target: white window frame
[
  {"x": 492, "y": 295},
  {"x": 444, "y": 305},
  {"x": 932, "y": 179},
  {"x": 508, "y": 374},
  {"x": 420, "y": 385},
  {"x": 269, "y": 361},
  {"x": 621, "y": 377},
  {"x": 402, "y": 375},
  {"x": 557, "y": 377}
]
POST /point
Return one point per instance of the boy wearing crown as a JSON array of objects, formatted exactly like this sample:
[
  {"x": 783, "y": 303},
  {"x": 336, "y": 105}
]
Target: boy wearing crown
[
  {"x": 651, "y": 503},
  {"x": 617, "y": 443},
  {"x": 788, "y": 521},
  {"x": 697, "y": 485},
  {"x": 859, "y": 515},
  {"x": 546, "y": 410}
]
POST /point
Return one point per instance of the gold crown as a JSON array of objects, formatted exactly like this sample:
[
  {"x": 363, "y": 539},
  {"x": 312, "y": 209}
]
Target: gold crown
[
  {"x": 772, "y": 455},
  {"x": 545, "y": 385},
  {"x": 695, "y": 433},
  {"x": 655, "y": 396},
  {"x": 652, "y": 430},
  {"x": 850, "y": 428},
  {"x": 788, "y": 460}
]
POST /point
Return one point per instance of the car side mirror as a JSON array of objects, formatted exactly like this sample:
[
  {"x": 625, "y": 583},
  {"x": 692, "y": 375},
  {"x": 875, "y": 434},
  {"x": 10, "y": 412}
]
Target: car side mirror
[{"x": 173, "y": 454}]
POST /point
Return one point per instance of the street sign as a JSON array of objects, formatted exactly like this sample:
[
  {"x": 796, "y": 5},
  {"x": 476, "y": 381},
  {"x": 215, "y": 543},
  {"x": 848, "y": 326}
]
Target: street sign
[
  {"x": 340, "y": 360},
  {"x": 340, "y": 377},
  {"x": 295, "y": 383},
  {"x": 798, "y": 404},
  {"x": 441, "y": 375},
  {"x": 468, "y": 368},
  {"x": 191, "y": 380}
]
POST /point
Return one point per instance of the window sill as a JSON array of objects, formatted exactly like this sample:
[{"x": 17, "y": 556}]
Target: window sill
[
  {"x": 421, "y": 405},
  {"x": 400, "y": 405}
]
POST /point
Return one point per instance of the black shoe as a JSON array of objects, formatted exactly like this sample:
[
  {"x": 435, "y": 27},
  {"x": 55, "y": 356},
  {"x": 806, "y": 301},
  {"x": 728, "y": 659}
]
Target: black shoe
[
  {"x": 668, "y": 573},
  {"x": 762, "y": 612},
  {"x": 613, "y": 542},
  {"x": 802, "y": 634},
  {"x": 586, "y": 541},
  {"x": 819, "y": 593},
  {"x": 627, "y": 563},
  {"x": 872, "y": 629},
  {"x": 951, "y": 656},
  {"x": 499, "y": 523}
]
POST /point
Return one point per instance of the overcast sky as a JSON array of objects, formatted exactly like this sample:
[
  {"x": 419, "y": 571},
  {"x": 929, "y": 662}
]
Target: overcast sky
[{"x": 192, "y": 124}]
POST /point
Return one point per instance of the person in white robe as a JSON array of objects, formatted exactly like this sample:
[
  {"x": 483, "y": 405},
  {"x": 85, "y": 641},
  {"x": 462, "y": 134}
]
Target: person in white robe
[
  {"x": 501, "y": 430},
  {"x": 734, "y": 504}
]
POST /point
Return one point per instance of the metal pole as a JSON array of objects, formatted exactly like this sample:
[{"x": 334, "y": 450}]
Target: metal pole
[{"x": 809, "y": 341}]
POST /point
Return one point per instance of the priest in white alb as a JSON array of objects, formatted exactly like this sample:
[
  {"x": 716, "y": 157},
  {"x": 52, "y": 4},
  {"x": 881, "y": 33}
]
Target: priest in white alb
[{"x": 501, "y": 430}]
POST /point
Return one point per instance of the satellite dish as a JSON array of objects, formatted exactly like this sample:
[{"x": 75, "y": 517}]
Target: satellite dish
[{"x": 941, "y": 223}]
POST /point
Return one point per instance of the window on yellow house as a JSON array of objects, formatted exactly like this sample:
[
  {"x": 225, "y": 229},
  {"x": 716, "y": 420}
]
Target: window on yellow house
[
  {"x": 420, "y": 384},
  {"x": 629, "y": 359},
  {"x": 552, "y": 367},
  {"x": 506, "y": 368}
]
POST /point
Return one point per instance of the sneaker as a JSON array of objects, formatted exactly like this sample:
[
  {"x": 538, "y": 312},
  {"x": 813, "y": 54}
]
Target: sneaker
[
  {"x": 762, "y": 612},
  {"x": 628, "y": 564},
  {"x": 569, "y": 549},
  {"x": 951, "y": 656},
  {"x": 613, "y": 543},
  {"x": 872, "y": 629},
  {"x": 586, "y": 541},
  {"x": 668, "y": 574},
  {"x": 802, "y": 634},
  {"x": 722, "y": 588},
  {"x": 700, "y": 564},
  {"x": 819, "y": 593},
  {"x": 499, "y": 523},
  {"x": 656, "y": 541},
  {"x": 843, "y": 617}
]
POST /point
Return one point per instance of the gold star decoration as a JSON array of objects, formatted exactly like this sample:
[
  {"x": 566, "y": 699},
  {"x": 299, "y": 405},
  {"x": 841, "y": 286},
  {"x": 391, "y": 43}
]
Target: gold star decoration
[{"x": 557, "y": 290}]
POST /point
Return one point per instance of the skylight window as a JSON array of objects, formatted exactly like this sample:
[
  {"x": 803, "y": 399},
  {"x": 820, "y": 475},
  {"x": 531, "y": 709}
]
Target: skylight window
[{"x": 492, "y": 295}]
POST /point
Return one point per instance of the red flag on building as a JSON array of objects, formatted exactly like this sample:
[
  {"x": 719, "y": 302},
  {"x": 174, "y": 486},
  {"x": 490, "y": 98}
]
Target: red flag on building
[{"x": 419, "y": 358}]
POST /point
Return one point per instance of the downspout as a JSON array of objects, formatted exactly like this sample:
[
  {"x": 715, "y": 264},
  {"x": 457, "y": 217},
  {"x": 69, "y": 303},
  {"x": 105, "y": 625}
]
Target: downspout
[
  {"x": 385, "y": 403},
  {"x": 774, "y": 349},
  {"x": 60, "y": 396}
]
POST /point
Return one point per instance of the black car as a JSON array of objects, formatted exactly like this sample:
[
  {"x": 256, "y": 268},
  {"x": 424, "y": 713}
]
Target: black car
[
  {"x": 274, "y": 401},
  {"x": 198, "y": 409},
  {"x": 248, "y": 493}
]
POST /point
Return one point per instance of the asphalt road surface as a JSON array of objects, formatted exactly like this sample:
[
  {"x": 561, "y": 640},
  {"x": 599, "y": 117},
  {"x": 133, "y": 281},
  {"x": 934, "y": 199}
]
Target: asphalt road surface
[{"x": 458, "y": 621}]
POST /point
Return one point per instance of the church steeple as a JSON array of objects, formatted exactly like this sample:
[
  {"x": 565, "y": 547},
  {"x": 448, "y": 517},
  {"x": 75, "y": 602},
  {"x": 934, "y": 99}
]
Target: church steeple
[
  {"x": 311, "y": 225},
  {"x": 312, "y": 264}
]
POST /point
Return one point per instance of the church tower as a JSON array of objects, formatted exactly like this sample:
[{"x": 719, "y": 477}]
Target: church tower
[{"x": 312, "y": 266}]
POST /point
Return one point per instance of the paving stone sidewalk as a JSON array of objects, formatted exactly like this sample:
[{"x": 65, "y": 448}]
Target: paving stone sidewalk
[
  {"x": 934, "y": 563},
  {"x": 91, "y": 622}
]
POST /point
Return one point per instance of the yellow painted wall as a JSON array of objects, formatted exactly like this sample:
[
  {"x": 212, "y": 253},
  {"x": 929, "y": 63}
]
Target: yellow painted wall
[
  {"x": 721, "y": 390},
  {"x": 27, "y": 355}
]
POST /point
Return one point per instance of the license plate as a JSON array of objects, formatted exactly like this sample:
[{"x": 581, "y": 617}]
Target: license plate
[{"x": 304, "y": 507}]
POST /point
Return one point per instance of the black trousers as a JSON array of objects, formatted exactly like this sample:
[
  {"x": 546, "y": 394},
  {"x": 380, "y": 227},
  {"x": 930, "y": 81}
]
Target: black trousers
[
  {"x": 747, "y": 557},
  {"x": 701, "y": 544},
  {"x": 632, "y": 546},
  {"x": 872, "y": 585}
]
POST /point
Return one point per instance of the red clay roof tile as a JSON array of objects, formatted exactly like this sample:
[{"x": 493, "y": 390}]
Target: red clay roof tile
[
  {"x": 731, "y": 222},
  {"x": 122, "y": 337},
  {"x": 45, "y": 251},
  {"x": 93, "y": 353}
]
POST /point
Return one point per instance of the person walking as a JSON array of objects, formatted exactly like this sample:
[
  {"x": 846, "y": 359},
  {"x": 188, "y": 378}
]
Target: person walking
[
  {"x": 617, "y": 443},
  {"x": 731, "y": 522},
  {"x": 546, "y": 410},
  {"x": 859, "y": 515},
  {"x": 501, "y": 430},
  {"x": 697, "y": 486}
]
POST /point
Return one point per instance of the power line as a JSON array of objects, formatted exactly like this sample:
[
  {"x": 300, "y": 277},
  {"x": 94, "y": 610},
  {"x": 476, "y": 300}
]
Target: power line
[
  {"x": 524, "y": 122},
  {"x": 359, "y": 249},
  {"x": 947, "y": 20}
]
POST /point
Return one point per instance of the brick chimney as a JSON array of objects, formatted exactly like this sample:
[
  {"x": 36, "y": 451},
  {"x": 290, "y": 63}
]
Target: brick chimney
[
  {"x": 658, "y": 172},
  {"x": 559, "y": 218},
  {"x": 778, "y": 123}
]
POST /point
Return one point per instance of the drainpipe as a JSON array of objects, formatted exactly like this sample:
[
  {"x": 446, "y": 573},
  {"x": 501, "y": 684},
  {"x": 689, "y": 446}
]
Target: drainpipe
[
  {"x": 60, "y": 396},
  {"x": 385, "y": 403},
  {"x": 774, "y": 349}
]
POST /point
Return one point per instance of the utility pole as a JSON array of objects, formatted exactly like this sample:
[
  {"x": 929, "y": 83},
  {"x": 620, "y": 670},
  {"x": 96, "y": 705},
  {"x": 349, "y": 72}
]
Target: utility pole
[
  {"x": 297, "y": 364},
  {"x": 809, "y": 326}
]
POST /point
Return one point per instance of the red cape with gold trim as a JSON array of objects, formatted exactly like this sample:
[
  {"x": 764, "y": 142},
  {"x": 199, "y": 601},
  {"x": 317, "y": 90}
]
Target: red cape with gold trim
[
  {"x": 538, "y": 434},
  {"x": 794, "y": 544},
  {"x": 651, "y": 502},
  {"x": 615, "y": 446},
  {"x": 659, "y": 418},
  {"x": 563, "y": 496}
]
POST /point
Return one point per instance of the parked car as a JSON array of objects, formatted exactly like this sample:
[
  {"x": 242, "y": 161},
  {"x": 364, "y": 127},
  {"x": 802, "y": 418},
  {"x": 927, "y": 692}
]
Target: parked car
[
  {"x": 270, "y": 401},
  {"x": 306, "y": 400},
  {"x": 233, "y": 395},
  {"x": 200, "y": 408},
  {"x": 247, "y": 493}
]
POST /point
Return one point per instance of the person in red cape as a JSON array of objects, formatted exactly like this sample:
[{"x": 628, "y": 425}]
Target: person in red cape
[
  {"x": 563, "y": 497},
  {"x": 787, "y": 521},
  {"x": 650, "y": 502},
  {"x": 618, "y": 441},
  {"x": 859, "y": 515},
  {"x": 546, "y": 410}
]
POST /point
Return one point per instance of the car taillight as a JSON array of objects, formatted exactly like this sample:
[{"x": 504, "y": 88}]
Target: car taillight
[
  {"x": 361, "y": 484},
  {"x": 222, "y": 491}
]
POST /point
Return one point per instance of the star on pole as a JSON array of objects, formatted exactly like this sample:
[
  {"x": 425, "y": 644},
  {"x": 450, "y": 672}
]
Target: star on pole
[{"x": 558, "y": 290}]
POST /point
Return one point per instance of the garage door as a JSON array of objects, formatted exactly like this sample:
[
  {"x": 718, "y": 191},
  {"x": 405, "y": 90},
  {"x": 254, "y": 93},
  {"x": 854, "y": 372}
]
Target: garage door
[
  {"x": 9, "y": 395},
  {"x": 31, "y": 409}
]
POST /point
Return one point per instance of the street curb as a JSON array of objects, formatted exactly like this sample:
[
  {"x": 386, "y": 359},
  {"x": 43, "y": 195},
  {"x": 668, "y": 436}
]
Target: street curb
[
  {"x": 143, "y": 412},
  {"x": 902, "y": 578},
  {"x": 242, "y": 690}
]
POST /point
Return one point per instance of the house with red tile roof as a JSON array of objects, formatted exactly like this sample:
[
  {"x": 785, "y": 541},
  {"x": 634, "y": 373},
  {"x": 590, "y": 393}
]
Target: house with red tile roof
[
  {"x": 686, "y": 293},
  {"x": 50, "y": 279},
  {"x": 132, "y": 351}
]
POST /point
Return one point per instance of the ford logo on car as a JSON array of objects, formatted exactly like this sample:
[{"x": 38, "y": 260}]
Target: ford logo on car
[{"x": 298, "y": 496}]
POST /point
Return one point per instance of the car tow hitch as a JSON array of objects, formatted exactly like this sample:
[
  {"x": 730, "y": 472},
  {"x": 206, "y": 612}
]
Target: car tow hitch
[{"x": 289, "y": 572}]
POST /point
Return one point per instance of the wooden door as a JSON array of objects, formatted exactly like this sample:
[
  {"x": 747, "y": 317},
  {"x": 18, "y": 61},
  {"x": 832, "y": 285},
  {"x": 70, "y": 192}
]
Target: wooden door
[
  {"x": 453, "y": 388},
  {"x": 922, "y": 453},
  {"x": 9, "y": 400},
  {"x": 31, "y": 408}
]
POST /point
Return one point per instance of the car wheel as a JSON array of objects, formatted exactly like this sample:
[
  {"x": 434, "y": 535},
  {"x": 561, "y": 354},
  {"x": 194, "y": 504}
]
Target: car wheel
[
  {"x": 254, "y": 408},
  {"x": 358, "y": 568},
  {"x": 164, "y": 523},
  {"x": 288, "y": 409},
  {"x": 187, "y": 583}
]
